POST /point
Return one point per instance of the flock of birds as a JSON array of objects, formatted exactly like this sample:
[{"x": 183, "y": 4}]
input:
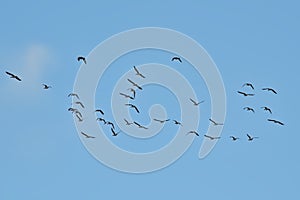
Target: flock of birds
[{"x": 131, "y": 96}]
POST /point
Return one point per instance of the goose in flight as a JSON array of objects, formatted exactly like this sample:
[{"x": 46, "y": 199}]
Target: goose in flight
[
  {"x": 81, "y": 58},
  {"x": 270, "y": 89},
  {"x": 101, "y": 120},
  {"x": 126, "y": 95},
  {"x": 276, "y": 121},
  {"x": 133, "y": 91},
  {"x": 177, "y": 122},
  {"x": 13, "y": 76},
  {"x": 249, "y": 109},
  {"x": 195, "y": 103},
  {"x": 139, "y": 126},
  {"x": 137, "y": 72},
  {"x": 127, "y": 122},
  {"x": 245, "y": 94},
  {"x": 134, "y": 84},
  {"x": 86, "y": 135},
  {"x": 79, "y": 103},
  {"x": 193, "y": 132},
  {"x": 267, "y": 109},
  {"x": 111, "y": 124},
  {"x": 161, "y": 121},
  {"x": 75, "y": 111},
  {"x": 100, "y": 111},
  {"x": 234, "y": 138},
  {"x": 248, "y": 85},
  {"x": 133, "y": 106},
  {"x": 215, "y": 123},
  {"x": 46, "y": 87},
  {"x": 113, "y": 132},
  {"x": 73, "y": 95},
  {"x": 250, "y": 138},
  {"x": 211, "y": 137},
  {"x": 176, "y": 58}
]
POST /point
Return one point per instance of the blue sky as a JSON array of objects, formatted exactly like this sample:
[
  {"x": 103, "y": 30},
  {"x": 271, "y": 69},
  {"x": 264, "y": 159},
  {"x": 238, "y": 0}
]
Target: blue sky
[{"x": 42, "y": 155}]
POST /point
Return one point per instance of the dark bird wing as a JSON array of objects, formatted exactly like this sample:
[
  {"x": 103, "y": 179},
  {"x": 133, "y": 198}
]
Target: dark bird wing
[
  {"x": 213, "y": 121},
  {"x": 136, "y": 123},
  {"x": 193, "y": 101},
  {"x": 208, "y": 136},
  {"x": 243, "y": 93},
  {"x": 249, "y": 137},
  {"x": 10, "y": 74},
  {"x": 137, "y": 110}
]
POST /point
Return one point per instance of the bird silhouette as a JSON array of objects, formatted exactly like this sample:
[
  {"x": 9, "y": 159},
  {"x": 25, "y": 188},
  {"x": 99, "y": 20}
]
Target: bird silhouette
[
  {"x": 73, "y": 95},
  {"x": 13, "y": 76},
  {"x": 138, "y": 73},
  {"x": 127, "y": 122},
  {"x": 111, "y": 124},
  {"x": 177, "y": 122},
  {"x": 86, "y": 135},
  {"x": 276, "y": 121},
  {"x": 133, "y": 91},
  {"x": 177, "y": 58},
  {"x": 249, "y": 109},
  {"x": 267, "y": 109},
  {"x": 211, "y": 137},
  {"x": 195, "y": 103},
  {"x": 126, "y": 95},
  {"x": 134, "y": 84},
  {"x": 79, "y": 103},
  {"x": 234, "y": 138},
  {"x": 139, "y": 126},
  {"x": 245, "y": 94},
  {"x": 248, "y": 85},
  {"x": 101, "y": 120},
  {"x": 100, "y": 111},
  {"x": 250, "y": 138},
  {"x": 113, "y": 132},
  {"x": 193, "y": 132},
  {"x": 133, "y": 106},
  {"x": 215, "y": 123},
  {"x": 46, "y": 86},
  {"x": 81, "y": 58},
  {"x": 270, "y": 89},
  {"x": 161, "y": 121}
]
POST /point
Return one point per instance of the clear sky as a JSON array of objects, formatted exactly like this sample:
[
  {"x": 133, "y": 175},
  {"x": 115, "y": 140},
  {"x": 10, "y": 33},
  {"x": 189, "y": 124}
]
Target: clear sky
[{"x": 251, "y": 41}]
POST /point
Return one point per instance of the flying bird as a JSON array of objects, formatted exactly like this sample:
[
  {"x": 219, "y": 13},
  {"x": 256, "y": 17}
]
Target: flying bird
[
  {"x": 134, "y": 84},
  {"x": 177, "y": 122},
  {"x": 270, "y": 89},
  {"x": 177, "y": 58},
  {"x": 73, "y": 95},
  {"x": 72, "y": 109},
  {"x": 245, "y": 94},
  {"x": 138, "y": 73},
  {"x": 250, "y": 138},
  {"x": 234, "y": 138},
  {"x": 13, "y": 76},
  {"x": 111, "y": 124},
  {"x": 126, "y": 95},
  {"x": 249, "y": 109},
  {"x": 79, "y": 103},
  {"x": 114, "y": 133},
  {"x": 211, "y": 137},
  {"x": 81, "y": 58},
  {"x": 133, "y": 106},
  {"x": 133, "y": 91},
  {"x": 101, "y": 120},
  {"x": 86, "y": 135},
  {"x": 161, "y": 121},
  {"x": 140, "y": 126},
  {"x": 193, "y": 132},
  {"x": 127, "y": 122},
  {"x": 267, "y": 109},
  {"x": 276, "y": 121},
  {"x": 100, "y": 111},
  {"x": 46, "y": 86},
  {"x": 248, "y": 85},
  {"x": 215, "y": 123},
  {"x": 195, "y": 103},
  {"x": 76, "y": 112}
]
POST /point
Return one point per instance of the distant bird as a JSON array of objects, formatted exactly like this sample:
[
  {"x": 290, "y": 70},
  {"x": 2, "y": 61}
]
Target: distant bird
[
  {"x": 81, "y": 58},
  {"x": 13, "y": 76},
  {"x": 250, "y": 138},
  {"x": 140, "y": 126},
  {"x": 249, "y": 109},
  {"x": 133, "y": 91},
  {"x": 276, "y": 121},
  {"x": 76, "y": 112},
  {"x": 73, "y": 95},
  {"x": 270, "y": 89},
  {"x": 134, "y": 84},
  {"x": 133, "y": 106},
  {"x": 211, "y": 137},
  {"x": 111, "y": 124},
  {"x": 161, "y": 121},
  {"x": 126, "y": 95},
  {"x": 267, "y": 109},
  {"x": 46, "y": 86},
  {"x": 101, "y": 120},
  {"x": 177, "y": 58},
  {"x": 100, "y": 111},
  {"x": 196, "y": 103},
  {"x": 86, "y": 135},
  {"x": 72, "y": 109},
  {"x": 127, "y": 122},
  {"x": 79, "y": 118},
  {"x": 138, "y": 73},
  {"x": 177, "y": 122},
  {"x": 193, "y": 132},
  {"x": 215, "y": 123},
  {"x": 245, "y": 94},
  {"x": 114, "y": 133},
  {"x": 79, "y": 103},
  {"x": 249, "y": 85},
  {"x": 234, "y": 138}
]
